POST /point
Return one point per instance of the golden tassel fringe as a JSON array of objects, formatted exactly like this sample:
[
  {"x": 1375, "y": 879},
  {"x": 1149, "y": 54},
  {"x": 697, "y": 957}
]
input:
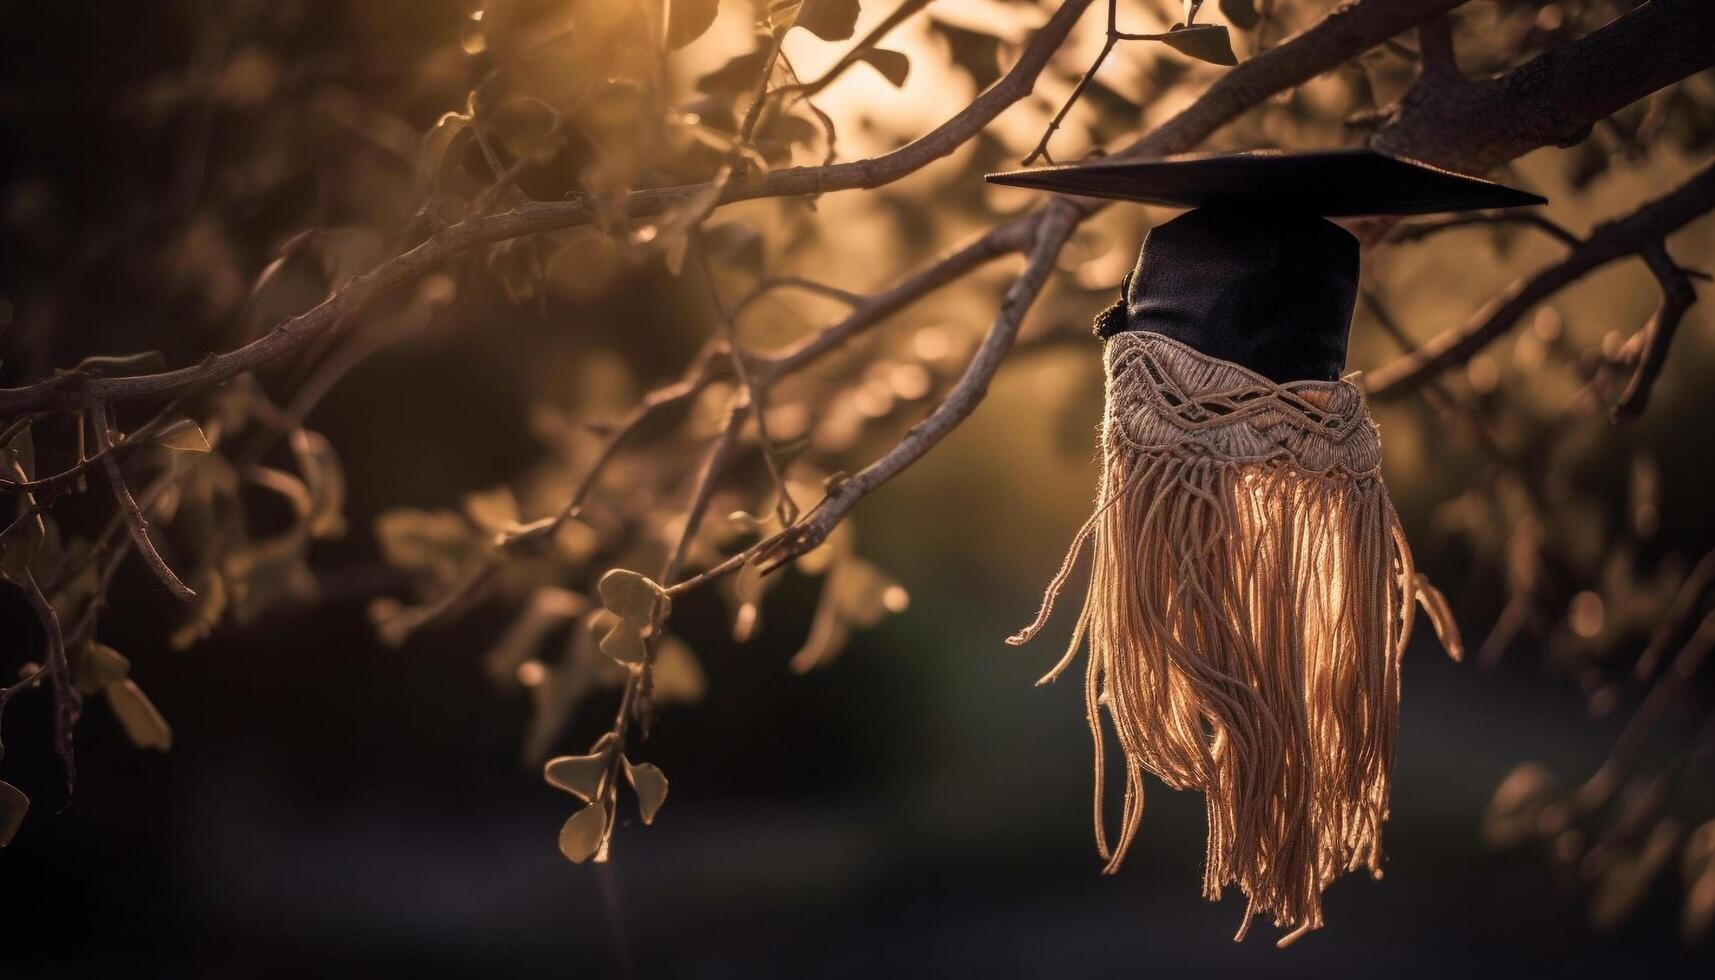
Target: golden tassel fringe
[{"x": 1250, "y": 596}]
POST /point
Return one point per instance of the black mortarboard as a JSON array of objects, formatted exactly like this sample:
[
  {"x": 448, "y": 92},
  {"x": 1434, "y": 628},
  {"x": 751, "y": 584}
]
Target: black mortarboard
[
  {"x": 1256, "y": 274},
  {"x": 1251, "y": 588}
]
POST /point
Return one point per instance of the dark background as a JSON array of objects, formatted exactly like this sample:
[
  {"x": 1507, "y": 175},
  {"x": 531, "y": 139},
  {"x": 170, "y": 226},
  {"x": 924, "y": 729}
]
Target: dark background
[{"x": 915, "y": 808}]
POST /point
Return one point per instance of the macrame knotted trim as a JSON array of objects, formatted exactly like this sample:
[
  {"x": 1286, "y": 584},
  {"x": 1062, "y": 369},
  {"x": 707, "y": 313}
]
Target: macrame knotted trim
[{"x": 1250, "y": 595}]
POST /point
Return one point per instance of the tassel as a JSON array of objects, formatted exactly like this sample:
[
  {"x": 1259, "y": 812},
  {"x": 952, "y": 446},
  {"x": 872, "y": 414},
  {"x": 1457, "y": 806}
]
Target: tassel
[{"x": 1250, "y": 596}]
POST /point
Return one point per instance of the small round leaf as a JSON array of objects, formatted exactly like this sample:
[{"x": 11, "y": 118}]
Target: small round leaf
[
  {"x": 579, "y": 775},
  {"x": 1205, "y": 42},
  {"x": 13, "y": 806},
  {"x": 631, "y": 595},
  {"x": 143, "y": 724},
  {"x": 651, "y": 787},
  {"x": 581, "y": 837},
  {"x": 183, "y": 435}
]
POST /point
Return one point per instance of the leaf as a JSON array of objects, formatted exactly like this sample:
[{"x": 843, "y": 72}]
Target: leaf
[
  {"x": 142, "y": 723},
  {"x": 634, "y": 598},
  {"x": 977, "y": 53},
  {"x": 287, "y": 486},
  {"x": 581, "y": 837},
  {"x": 1698, "y": 857},
  {"x": 893, "y": 65},
  {"x": 783, "y": 131},
  {"x": 687, "y": 20},
  {"x": 1698, "y": 863},
  {"x": 1205, "y": 42},
  {"x": 576, "y": 541},
  {"x": 17, "y": 552},
  {"x": 580, "y": 775},
  {"x": 1242, "y": 14},
  {"x": 1441, "y": 617},
  {"x": 863, "y": 594},
  {"x": 1513, "y": 812},
  {"x": 1628, "y": 875},
  {"x": 319, "y": 464},
  {"x": 205, "y": 610},
  {"x": 13, "y": 806},
  {"x": 580, "y": 670},
  {"x": 650, "y": 785},
  {"x": 98, "y": 666},
  {"x": 437, "y": 142},
  {"x": 549, "y": 608},
  {"x": 673, "y": 245},
  {"x": 494, "y": 510},
  {"x": 629, "y": 594},
  {"x": 678, "y": 675},
  {"x": 269, "y": 573},
  {"x": 438, "y": 543},
  {"x": 738, "y": 245},
  {"x": 1699, "y": 909},
  {"x": 830, "y": 20},
  {"x": 745, "y": 591},
  {"x": 739, "y": 74},
  {"x": 184, "y": 435},
  {"x": 624, "y": 642}
]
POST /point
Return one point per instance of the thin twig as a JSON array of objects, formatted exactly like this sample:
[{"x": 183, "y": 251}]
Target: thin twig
[
  {"x": 506, "y": 179},
  {"x": 1629, "y": 746},
  {"x": 1058, "y": 220},
  {"x": 1616, "y": 239},
  {"x": 72, "y": 472},
  {"x": 1677, "y": 296},
  {"x": 58, "y": 668},
  {"x": 755, "y": 394},
  {"x": 1001, "y": 240},
  {"x": 1040, "y": 152},
  {"x": 855, "y": 53},
  {"x": 134, "y": 517},
  {"x": 1418, "y": 230},
  {"x": 1687, "y": 602},
  {"x": 696, "y": 377},
  {"x": 769, "y": 285},
  {"x": 1113, "y": 38}
]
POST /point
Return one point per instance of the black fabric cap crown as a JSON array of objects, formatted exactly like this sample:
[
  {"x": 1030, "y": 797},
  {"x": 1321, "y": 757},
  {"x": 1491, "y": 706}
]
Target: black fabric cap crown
[
  {"x": 1271, "y": 291},
  {"x": 1256, "y": 275}
]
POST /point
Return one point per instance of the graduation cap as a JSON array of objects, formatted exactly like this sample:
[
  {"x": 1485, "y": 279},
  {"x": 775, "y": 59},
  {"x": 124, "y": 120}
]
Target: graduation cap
[
  {"x": 1251, "y": 589},
  {"x": 1256, "y": 275}
]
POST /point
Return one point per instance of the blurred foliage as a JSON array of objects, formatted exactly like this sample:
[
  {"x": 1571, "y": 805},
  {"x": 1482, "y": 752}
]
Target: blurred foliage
[{"x": 274, "y": 151}]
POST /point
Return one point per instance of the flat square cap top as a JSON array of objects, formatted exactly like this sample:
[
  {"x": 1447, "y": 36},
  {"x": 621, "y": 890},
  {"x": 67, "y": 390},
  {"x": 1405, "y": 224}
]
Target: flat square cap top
[{"x": 1330, "y": 183}]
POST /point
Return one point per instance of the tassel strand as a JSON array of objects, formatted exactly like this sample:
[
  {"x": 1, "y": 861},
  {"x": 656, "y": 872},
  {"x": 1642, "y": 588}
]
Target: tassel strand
[{"x": 1250, "y": 594}]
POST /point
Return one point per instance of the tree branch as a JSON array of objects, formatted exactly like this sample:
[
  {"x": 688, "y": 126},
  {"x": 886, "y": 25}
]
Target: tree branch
[
  {"x": 1677, "y": 295},
  {"x": 755, "y": 395},
  {"x": 1058, "y": 221},
  {"x": 1474, "y": 125},
  {"x": 1643, "y": 229},
  {"x": 1013, "y": 236},
  {"x": 134, "y": 519},
  {"x": 334, "y": 313},
  {"x": 1346, "y": 32}
]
